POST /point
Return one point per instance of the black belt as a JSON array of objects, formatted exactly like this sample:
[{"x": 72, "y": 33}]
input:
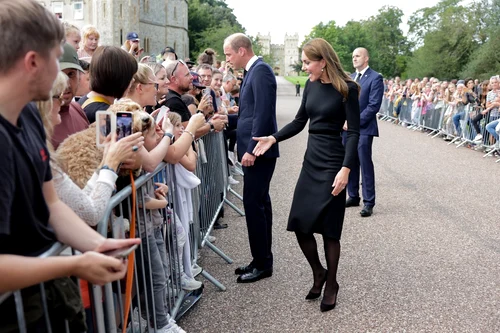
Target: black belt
[{"x": 326, "y": 132}]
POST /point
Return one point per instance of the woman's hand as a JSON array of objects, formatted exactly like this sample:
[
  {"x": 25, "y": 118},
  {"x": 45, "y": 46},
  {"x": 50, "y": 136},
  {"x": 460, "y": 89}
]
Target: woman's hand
[
  {"x": 116, "y": 152},
  {"x": 340, "y": 181},
  {"x": 166, "y": 125},
  {"x": 263, "y": 145}
]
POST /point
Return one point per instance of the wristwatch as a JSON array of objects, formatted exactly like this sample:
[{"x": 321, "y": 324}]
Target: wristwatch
[
  {"x": 170, "y": 135},
  {"x": 212, "y": 128},
  {"x": 105, "y": 167}
]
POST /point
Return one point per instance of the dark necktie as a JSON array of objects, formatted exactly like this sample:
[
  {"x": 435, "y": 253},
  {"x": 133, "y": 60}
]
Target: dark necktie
[
  {"x": 245, "y": 72},
  {"x": 358, "y": 77}
]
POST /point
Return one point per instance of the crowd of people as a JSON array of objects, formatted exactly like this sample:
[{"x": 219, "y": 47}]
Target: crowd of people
[
  {"x": 467, "y": 105},
  {"x": 56, "y": 183}
]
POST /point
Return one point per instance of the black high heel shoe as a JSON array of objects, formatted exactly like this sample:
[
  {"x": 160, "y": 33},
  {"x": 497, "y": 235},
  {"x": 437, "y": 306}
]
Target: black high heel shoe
[
  {"x": 327, "y": 307},
  {"x": 312, "y": 295}
]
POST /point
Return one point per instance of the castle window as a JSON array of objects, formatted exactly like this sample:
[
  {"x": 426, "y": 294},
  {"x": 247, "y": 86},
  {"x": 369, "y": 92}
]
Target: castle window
[
  {"x": 57, "y": 9},
  {"x": 175, "y": 13},
  {"x": 104, "y": 9},
  {"x": 78, "y": 10},
  {"x": 121, "y": 11},
  {"x": 145, "y": 4}
]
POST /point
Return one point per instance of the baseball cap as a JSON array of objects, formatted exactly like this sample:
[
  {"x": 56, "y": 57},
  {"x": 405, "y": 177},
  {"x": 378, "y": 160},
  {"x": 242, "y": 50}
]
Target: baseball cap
[
  {"x": 69, "y": 58},
  {"x": 133, "y": 36},
  {"x": 196, "y": 80},
  {"x": 169, "y": 49}
]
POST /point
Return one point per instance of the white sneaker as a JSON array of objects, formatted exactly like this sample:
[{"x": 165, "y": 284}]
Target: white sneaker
[
  {"x": 196, "y": 270},
  {"x": 189, "y": 284},
  {"x": 232, "y": 181},
  {"x": 171, "y": 327},
  {"x": 478, "y": 137},
  {"x": 138, "y": 321}
]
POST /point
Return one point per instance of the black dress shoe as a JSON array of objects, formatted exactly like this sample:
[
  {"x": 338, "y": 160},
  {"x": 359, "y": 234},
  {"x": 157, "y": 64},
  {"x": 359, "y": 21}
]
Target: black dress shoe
[
  {"x": 255, "y": 275},
  {"x": 366, "y": 211},
  {"x": 243, "y": 269},
  {"x": 352, "y": 202}
]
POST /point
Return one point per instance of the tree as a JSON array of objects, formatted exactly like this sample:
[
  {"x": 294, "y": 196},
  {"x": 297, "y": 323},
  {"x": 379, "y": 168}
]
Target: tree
[
  {"x": 352, "y": 36},
  {"x": 449, "y": 42},
  {"x": 209, "y": 23},
  {"x": 388, "y": 46}
]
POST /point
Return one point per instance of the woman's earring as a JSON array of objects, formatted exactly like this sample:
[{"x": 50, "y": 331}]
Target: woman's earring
[{"x": 322, "y": 69}]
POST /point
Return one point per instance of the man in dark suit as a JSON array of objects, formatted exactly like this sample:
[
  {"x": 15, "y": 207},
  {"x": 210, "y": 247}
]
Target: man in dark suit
[
  {"x": 370, "y": 99},
  {"x": 257, "y": 117}
]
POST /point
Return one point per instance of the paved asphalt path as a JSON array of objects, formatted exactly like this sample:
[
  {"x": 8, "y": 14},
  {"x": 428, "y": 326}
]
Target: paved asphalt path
[{"x": 428, "y": 260}]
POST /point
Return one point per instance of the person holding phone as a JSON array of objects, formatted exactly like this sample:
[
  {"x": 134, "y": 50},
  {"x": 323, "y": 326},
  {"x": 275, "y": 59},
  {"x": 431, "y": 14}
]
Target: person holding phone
[
  {"x": 133, "y": 45},
  {"x": 29, "y": 202}
]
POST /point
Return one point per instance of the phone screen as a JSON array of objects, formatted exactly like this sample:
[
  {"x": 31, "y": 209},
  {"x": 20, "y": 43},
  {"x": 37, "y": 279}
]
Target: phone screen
[
  {"x": 121, "y": 253},
  {"x": 123, "y": 124},
  {"x": 105, "y": 126},
  {"x": 206, "y": 91}
]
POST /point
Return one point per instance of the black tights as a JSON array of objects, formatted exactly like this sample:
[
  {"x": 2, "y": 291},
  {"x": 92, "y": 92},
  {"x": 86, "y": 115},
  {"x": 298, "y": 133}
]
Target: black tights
[{"x": 309, "y": 247}]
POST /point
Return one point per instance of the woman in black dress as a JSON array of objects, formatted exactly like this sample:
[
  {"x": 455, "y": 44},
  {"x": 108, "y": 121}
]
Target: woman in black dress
[{"x": 330, "y": 103}]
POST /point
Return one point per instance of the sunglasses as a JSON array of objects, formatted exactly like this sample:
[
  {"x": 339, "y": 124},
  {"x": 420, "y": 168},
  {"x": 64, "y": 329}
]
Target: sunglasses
[{"x": 175, "y": 67}]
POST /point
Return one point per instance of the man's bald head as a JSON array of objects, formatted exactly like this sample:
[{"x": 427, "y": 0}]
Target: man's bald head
[{"x": 360, "y": 57}]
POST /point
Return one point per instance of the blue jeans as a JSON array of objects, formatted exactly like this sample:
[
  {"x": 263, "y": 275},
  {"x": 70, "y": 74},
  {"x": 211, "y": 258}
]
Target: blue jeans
[
  {"x": 491, "y": 128},
  {"x": 456, "y": 120},
  {"x": 159, "y": 271}
]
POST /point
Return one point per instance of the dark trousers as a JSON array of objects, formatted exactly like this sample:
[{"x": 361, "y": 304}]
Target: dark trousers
[
  {"x": 367, "y": 171},
  {"x": 258, "y": 210},
  {"x": 475, "y": 122}
]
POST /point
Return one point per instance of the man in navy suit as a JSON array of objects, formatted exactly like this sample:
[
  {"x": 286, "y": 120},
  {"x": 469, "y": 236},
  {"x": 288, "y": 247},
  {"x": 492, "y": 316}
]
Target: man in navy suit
[
  {"x": 257, "y": 117},
  {"x": 370, "y": 99}
]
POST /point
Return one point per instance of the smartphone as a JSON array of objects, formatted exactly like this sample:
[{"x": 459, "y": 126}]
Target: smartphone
[
  {"x": 121, "y": 253},
  {"x": 105, "y": 125},
  {"x": 123, "y": 124},
  {"x": 163, "y": 112},
  {"x": 206, "y": 91}
]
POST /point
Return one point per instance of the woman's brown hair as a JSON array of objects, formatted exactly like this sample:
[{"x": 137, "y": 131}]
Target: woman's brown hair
[{"x": 317, "y": 49}]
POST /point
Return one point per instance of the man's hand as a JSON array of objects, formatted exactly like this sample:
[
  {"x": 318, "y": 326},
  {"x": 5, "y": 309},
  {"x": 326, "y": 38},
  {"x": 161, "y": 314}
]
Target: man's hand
[
  {"x": 233, "y": 109},
  {"x": 248, "y": 160}
]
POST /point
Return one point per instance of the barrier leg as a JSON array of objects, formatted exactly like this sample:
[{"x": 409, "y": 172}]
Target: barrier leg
[
  {"x": 213, "y": 280},
  {"x": 20, "y": 312},
  {"x": 233, "y": 206},
  {"x": 216, "y": 250}
]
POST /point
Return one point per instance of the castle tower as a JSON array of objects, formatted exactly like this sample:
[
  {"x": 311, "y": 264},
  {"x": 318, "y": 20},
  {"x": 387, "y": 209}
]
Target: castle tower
[
  {"x": 265, "y": 43},
  {"x": 291, "y": 53}
]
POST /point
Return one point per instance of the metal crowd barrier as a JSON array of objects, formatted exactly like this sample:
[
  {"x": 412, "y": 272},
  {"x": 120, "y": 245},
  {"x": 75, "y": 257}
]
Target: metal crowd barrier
[
  {"x": 440, "y": 119},
  {"x": 107, "y": 310}
]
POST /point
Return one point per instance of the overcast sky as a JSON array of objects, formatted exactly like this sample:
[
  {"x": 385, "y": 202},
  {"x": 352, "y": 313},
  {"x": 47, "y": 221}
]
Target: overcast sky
[{"x": 265, "y": 16}]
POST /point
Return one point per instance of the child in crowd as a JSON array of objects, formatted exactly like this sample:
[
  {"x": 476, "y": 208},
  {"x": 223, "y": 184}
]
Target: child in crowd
[
  {"x": 150, "y": 227},
  {"x": 185, "y": 181}
]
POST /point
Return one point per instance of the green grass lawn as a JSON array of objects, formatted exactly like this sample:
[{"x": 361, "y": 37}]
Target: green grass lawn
[{"x": 294, "y": 79}]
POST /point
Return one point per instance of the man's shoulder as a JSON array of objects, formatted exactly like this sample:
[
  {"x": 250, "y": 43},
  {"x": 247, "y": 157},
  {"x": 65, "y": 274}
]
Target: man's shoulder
[{"x": 373, "y": 73}]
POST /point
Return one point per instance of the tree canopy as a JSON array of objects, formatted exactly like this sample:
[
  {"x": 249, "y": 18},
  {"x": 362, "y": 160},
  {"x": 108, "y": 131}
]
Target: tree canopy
[{"x": 452, "y": 39}]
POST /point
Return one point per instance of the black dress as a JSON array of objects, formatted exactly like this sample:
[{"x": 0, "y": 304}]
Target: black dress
[{"x": 314, "y": 208}]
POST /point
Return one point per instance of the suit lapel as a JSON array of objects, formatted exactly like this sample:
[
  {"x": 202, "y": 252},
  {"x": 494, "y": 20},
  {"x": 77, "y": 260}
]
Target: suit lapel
[{"x": 245, "y": 78}]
